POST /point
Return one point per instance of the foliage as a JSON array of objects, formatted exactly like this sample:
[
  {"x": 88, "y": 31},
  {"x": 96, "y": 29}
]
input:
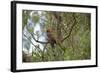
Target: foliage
[{"x": 72, "y": 32}]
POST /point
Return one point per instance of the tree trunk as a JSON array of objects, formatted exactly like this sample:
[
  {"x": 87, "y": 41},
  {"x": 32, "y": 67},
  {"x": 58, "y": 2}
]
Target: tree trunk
[{"x": 58, "y": 27}]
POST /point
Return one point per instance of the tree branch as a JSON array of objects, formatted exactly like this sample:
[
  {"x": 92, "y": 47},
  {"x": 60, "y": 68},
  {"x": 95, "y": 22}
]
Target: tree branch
[
  {"x": 29, "y": 40},
  {"x": 36, "y": 39},
  {"x": 70, "y": 29},
  {"x": 32, "y": 43}
]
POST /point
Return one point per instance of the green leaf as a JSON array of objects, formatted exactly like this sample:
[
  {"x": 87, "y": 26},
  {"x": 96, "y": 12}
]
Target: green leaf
[
  {"x": 30, "y": 30},
  {"x": 35, "y": 19}
]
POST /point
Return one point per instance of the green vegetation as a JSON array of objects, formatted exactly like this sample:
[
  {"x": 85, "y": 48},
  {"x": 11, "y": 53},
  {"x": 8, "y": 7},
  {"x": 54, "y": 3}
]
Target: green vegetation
[{"x": 72, "y": 32}]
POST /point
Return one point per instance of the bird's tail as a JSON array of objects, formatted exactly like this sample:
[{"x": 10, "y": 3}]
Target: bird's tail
[{"x": 52, "y": 45}]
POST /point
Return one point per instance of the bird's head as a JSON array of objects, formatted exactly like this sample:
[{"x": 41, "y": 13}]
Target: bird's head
[{"x": 49, "y": 30}]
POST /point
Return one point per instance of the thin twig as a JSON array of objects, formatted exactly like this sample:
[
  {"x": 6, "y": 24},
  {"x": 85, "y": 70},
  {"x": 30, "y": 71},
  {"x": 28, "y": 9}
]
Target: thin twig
[{"x": 29, "y": 40}]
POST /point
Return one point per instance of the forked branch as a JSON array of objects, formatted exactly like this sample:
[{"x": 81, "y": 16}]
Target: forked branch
[{"x": 70, "y": 29}]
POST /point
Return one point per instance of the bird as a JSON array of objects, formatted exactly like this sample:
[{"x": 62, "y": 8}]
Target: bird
[{"x": 50, "y": 37}]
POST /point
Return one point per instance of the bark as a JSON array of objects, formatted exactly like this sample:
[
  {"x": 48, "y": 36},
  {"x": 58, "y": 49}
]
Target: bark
[{"x": 58, "y": 27}]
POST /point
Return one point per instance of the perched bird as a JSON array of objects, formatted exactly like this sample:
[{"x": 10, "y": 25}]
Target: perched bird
[{"x": 50, "y": 37}]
